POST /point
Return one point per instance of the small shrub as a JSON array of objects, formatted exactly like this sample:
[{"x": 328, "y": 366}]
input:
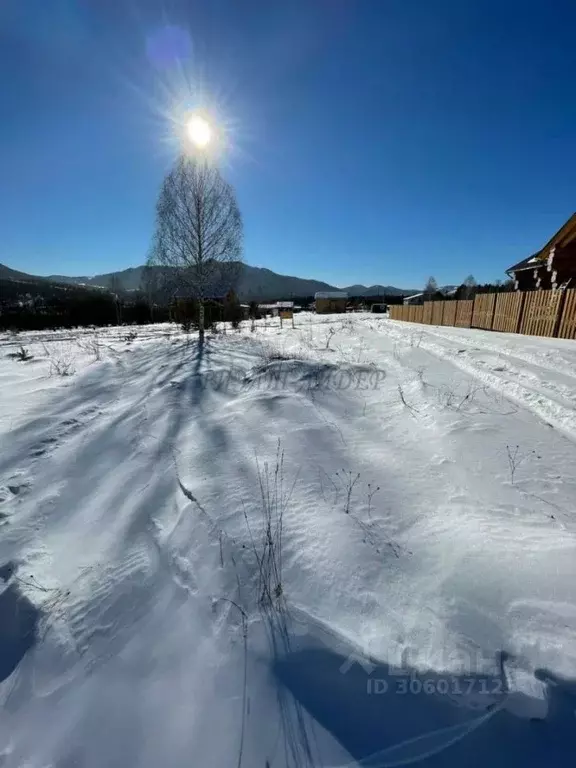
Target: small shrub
[
  {"x": 330, "y": 333},
  {"x": 62, "y": 360},
  {"x": 347, "y": 480},
  {"x": 91, "y": 346},
  {"x": 267, "y": 355},
  {"x": 22, "y": 354},
  {"x": 275, "y": 499},
  {"x": 62, "y": 367}
]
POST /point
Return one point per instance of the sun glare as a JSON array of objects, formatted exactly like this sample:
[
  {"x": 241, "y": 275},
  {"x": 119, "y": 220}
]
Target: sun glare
[{"x": 199, "y": 131}]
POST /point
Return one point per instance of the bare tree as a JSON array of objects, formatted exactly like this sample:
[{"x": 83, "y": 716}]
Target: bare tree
[
  {"x": 431, "y": 285},
  {"x": 199, "y": 234},
  {"x": 470, "y": 286}
]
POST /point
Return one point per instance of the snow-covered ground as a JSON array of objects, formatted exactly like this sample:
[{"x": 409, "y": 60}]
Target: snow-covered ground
[{"x": 348, "y": 542}]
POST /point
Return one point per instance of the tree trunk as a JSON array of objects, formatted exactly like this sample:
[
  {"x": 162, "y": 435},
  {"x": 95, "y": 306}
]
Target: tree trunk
[{"x": 201, "y": 322}]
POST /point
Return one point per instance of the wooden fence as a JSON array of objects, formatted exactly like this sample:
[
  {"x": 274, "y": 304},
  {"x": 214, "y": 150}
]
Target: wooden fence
[
  {"x": 567, "y": 329},
  {"x": 449, "y": 315},
  {"x": 437, "y": 312},
  {"x": 540, "y": 312},
  {"x": 536, "y": 313},
  {"x": 464, "y": 313},
  {"x": 483, "y": 310},
  {"x": 508, "y": 311}
]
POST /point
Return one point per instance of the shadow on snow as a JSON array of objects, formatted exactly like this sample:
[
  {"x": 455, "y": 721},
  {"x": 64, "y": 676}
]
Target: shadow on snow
[
  {"x": 18, "y": 625},
  {"x": 425, "y": 727}
]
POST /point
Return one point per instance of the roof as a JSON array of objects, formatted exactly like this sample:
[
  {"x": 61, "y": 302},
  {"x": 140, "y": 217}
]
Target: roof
[
  {"x": 532, "y": 262},
  {"x": 565, "y": 235},
  {"x": 414, "y": 296},
  {"x": 330, "y": 295}
]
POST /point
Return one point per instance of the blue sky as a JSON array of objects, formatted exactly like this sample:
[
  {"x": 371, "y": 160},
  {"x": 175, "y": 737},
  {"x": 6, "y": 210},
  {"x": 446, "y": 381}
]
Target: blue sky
[{"x": 372, "y": 140}]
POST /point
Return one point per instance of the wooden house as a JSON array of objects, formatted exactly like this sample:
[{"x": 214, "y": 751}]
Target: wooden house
[
  {"x": 328, "y": 302},
  {"x": 415, "y": 299},
  {"x": 554, "y": 266},
  {"x": 276, "y": 308}
]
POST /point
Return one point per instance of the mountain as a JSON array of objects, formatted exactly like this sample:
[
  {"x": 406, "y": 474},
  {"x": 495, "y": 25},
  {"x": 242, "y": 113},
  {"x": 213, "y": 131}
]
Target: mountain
[
  {"x": 15, "y": 284},
  {"x": 12, "y": 274},
  {"x": 378, "y": 290},
  {"x": 126, "y": 280},
  {"x": 260, "y": 283},
  {"x": 256, "y": 283}
]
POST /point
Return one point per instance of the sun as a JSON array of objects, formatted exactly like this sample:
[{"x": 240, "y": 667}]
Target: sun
[{"x": 199, "y": 131}]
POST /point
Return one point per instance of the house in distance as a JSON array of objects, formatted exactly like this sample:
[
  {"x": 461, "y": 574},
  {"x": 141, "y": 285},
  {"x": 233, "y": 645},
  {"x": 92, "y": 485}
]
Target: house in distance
[
  {"x": 417, "y": 298},
  {"x": 328, "y": 302}
]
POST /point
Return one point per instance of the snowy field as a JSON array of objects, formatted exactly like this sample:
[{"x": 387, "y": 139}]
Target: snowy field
[{"x": 352, "y": 542}]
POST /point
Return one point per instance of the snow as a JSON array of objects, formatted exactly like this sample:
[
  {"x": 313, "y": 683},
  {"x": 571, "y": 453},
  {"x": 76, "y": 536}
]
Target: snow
[{"x": 420, "y": 484}]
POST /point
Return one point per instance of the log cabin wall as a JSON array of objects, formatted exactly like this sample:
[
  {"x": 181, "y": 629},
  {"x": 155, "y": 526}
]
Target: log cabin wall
[{"x": 561, "y": 266}]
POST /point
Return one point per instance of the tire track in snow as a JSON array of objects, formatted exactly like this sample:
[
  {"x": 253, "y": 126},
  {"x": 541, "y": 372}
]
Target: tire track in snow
[
  {"x": 549, "y": 410},
  {"x": 510, "y": 352},
  {"x": 520, "y": 369}
]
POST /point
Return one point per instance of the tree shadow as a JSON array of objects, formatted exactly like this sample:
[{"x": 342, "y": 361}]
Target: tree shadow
[
  {"x": 99, "y": 389},
  {"x": 384, "y": 715},
  {"x": 7, "y": 570},
  {"x": 18, "y": 625}
]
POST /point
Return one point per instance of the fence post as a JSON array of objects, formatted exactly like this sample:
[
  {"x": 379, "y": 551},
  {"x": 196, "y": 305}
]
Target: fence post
[
  {"x": 521, "y": 312},
  {"x": 559, "y": 313},
  {"x": 493, "y": 312}
]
